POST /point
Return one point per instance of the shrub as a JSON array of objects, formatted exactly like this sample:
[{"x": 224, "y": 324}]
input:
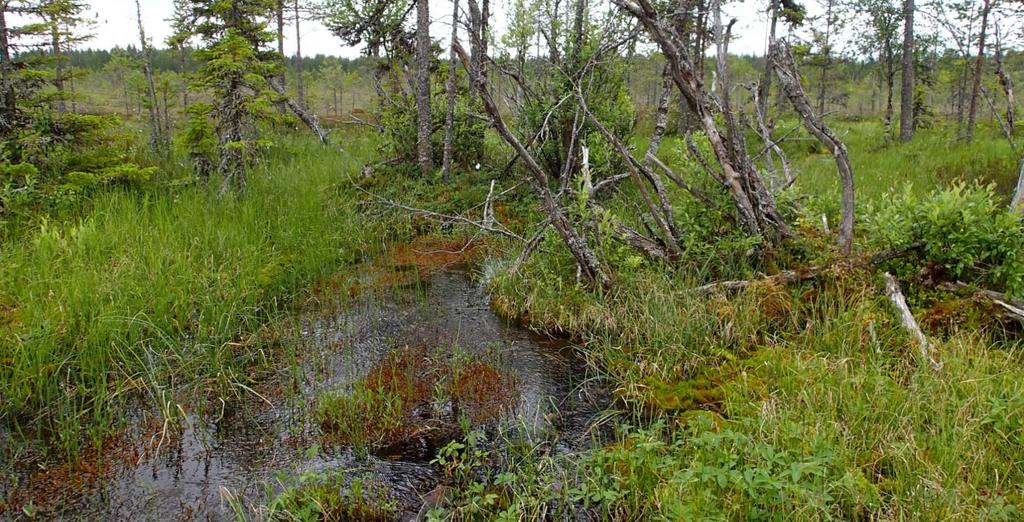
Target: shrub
[{"x": 964, "y": 232}]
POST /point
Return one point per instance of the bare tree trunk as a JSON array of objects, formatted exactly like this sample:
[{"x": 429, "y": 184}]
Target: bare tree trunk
[
  {"x": 231, "y": 133},
  {"x": 764, "y": 88},
  {"x": 755, "y": 207},
  {"x": 58, "y": 76},
  {"x": 890, "y": 81},
  {"x": 279, "y": 15},
  {"x": 424, "y": 126},
  {"x": 979, "y": 62},
  {"x": 449, "y": 113},
  {"x": 156, "y": 136},
  {"x": 1017, "y": 201},
  {"x": 661, "y": 116},
  {"x": 8, "y": 108},
  {"x": 826, "y": 61},
  {"x": 925, "y": 348},
  {"x": 300, "y": 84},
  {"x": 789, "y": 77},
  {"x": 1006, "y": 82},
  {"x": 907, "y": 89}
]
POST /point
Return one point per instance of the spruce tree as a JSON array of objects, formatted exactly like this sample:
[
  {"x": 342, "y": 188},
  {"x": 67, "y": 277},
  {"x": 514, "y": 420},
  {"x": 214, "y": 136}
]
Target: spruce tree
[{"x": 236, "y": 60}]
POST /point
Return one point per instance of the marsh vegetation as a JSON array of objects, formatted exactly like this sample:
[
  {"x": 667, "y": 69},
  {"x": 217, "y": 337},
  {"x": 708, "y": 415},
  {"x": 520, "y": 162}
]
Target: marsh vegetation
[{"x": 573, "y": 260}]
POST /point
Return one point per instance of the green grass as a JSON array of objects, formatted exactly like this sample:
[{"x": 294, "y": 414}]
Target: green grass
[
  {"x": 933, "y": 159},
  {"x": 805, "y": 402},
  {"x": 146, "y": 290}
]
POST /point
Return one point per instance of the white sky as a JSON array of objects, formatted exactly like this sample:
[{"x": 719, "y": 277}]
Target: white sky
[{"x": 117, "y": 27}]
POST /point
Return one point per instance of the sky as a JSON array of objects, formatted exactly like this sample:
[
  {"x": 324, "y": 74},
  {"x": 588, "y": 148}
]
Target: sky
[{"x": 116, "y": 26}]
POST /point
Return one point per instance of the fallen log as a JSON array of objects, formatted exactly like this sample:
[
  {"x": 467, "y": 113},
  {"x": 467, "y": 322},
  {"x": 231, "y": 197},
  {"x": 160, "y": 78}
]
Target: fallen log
[
  {"x": 1013, "y": 308},
  {"x": 925, "y": 347}
]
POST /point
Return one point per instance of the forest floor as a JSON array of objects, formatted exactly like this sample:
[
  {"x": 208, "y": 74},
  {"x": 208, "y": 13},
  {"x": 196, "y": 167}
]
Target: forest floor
[{"x": 172, "y": 322}]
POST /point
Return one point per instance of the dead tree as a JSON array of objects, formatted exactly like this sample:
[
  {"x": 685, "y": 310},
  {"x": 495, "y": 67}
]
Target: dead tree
[
  {"x": 1017, "y": 201},
  {"x": 924, "y": 346},
  {"x": 789, "y": 77},
  {"x": 979, "y": 63},
  {"x": 307, "y": 117},
  {"x": 449, "y": 113},
  {"x": 300, "y": 89},
  {"x": 755, "y": 206},
  {"x": 907, "y": 90},
  {"x": 157, "y": 139},
  {"x": 424, "y": 126},
  {"x": 1005, "y": 81},
  {"x": 589, "y": 266}
]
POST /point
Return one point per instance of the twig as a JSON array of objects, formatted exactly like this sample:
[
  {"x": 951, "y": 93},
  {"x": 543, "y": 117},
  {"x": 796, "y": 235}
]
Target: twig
[{"x": 438, "y": 215}]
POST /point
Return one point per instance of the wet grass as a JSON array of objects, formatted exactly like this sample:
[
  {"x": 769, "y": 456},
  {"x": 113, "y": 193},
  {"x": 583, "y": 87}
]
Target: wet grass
[
  {"x": 147, "y": 293},
  {"x": 778, "y": 402}
]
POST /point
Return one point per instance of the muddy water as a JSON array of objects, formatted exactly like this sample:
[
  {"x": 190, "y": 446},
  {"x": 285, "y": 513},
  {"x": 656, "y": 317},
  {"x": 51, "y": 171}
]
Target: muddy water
[{"x": 246, "y": 452}]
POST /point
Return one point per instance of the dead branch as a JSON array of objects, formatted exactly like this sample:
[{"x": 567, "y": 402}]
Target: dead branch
[
  {"x": 585, "y": 258},
  {"x": 812, "y": 272},
  {"x": 308, "y": 118},
  {"x": 785, "y": 277},
  {"x": 925, "y": 347},
  {"x": 1013, "y": 308},
  {"x": 663, "y": 218},
  {"x": 487, "y": 225},
  {"x": 755, "y": 207},
  {"x": 785, "y": 67}
]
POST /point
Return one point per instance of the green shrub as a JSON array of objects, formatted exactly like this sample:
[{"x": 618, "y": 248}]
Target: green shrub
[{"x": 964, "y": 230}]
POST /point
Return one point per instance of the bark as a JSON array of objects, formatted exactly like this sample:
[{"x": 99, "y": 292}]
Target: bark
[
  {"x": 279, "y": 15},
  {"x": 771, "y": 147},
  {"x": 1006, "y": 82},
  {"x": 586, "y": 260},
  {"x": 642, "y": 174},
  {"x": 231, "y": 132},
  {"x": 8, "y": 108},
  {"x": 925, "y": 347},
  {"x": 789, "y": 78},
  {"x": 764, "y": 88},
  {"x": 58, "y": 76},
  {"x": 661, "y": 116},
  {"x": 300, "y": 85},
  {"x": 307, "y": 117},
  {"x": 155, "y": 128},
  {"x": 449, "y": 113},
  {"x": 424, "y": 124},
  {"x": 907, "y": 90},
  {"x": 826, "y": 61},
  {"x": 979, "y": 63},
  {"x": 890, "y": 81},
  {"x": 1011, "y": 308},
  {"x": 1017, "y": 201}
]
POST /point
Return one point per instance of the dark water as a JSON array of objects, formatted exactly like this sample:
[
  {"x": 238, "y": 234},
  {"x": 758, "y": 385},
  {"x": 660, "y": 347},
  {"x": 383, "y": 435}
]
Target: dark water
[{"x": 245, "y": 452}]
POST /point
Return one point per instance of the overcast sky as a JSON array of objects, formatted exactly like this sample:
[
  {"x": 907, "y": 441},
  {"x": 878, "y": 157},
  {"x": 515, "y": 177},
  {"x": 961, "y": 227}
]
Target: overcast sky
[{"x": 116, "y": 26}]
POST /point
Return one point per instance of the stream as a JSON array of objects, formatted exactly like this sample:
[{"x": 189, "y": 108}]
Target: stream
[{"x": 242, "y": 455}]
